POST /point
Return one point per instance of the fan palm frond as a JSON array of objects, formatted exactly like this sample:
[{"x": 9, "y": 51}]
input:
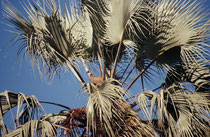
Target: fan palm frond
[
  {"x": 120, "y": 12},
  {"x": 51, "y": 38},
  {"x": 119, "y": 17},
  {"x": 178, "y": 112},
  {"x": 97, "y": 10},
  {"x": 102, "y": 107},
  {"x": 27, "y": 112},
  {"x": 34, "y": 128},
  {"x": 196, "y": 74},
  {"x": 9, "y": 99},
  {"x": 109, "y": 114},
  {"x": 118, "y": 20},
  {"x": 54, "y": 118},
  {"x": 178, "y": 30}
]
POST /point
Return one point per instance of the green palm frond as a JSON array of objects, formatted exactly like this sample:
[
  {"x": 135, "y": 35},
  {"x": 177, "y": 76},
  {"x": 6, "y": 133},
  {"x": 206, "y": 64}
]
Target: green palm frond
[
  {"x": 178, "y": 112},
  {"x": 178, "y": 30},
  {"x": 50, "y": 38}
]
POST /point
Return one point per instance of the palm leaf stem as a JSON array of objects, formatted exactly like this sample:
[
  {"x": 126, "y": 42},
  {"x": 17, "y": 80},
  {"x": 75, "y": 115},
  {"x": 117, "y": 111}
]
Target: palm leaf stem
[
  {"x": 142, "y": 108},
  {"x": 100, "y": 65},
  {"x": 117, "y": 56},
  {"x": 52, "y": 103},
  {"x": 126, "y": 68},
  {"x": 99, "y": 59},
  {"x": 76, "y": 73},
  {"x": 129, "y": 74},
  {"x": 127, "y": 99},
  {"x": 136, "y": 78},
  {"x": 84, "y": 64},
  {"x": 157, "y": 88},
  {"x": 99, "y": 55},
  {"x": 134, "y": 104}
]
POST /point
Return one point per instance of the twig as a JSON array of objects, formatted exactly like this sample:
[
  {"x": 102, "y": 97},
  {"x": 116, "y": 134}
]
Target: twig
[{"x": 99, "y": 61}]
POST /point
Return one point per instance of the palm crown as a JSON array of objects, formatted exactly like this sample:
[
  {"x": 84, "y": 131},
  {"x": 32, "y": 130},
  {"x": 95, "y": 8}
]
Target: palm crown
[{"x": 167, "y": 38}]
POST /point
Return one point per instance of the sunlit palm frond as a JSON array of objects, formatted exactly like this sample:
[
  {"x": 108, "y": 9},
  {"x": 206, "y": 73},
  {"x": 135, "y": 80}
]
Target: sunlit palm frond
[
  {"x": 116, "y": 18},
  {"x": 54, "y": 117},
  {"x": 178, "y": 30},
  {"x": 29, "y": 111},
  {"x": 34, "y": 128},
  {"x": 119, "y": 15},
  {"x": 8, "y": 100},
  {"x": 27, "y": 107},
  {"x": 108, "y": 113},
  {"x": 102, "y": 108},
  {"x": 50, "y": 37},
  {"x": 96, "y": 9},
  {"x": 178, "y": 112}
]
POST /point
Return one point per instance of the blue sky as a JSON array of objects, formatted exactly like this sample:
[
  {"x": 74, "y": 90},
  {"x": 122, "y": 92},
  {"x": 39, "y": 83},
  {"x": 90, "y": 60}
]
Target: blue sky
[{"x": 18, "y": 76}]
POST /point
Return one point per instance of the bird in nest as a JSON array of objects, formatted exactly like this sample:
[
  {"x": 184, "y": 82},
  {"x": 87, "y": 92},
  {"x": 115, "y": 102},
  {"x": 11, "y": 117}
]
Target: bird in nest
[{"x": 98, "y": 81}]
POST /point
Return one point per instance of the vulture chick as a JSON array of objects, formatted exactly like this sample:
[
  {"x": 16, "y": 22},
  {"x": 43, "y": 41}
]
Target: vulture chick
[{"x": 94, "y": 79}]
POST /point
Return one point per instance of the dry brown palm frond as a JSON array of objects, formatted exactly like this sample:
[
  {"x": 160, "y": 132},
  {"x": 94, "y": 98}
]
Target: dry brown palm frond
[
  {"x": 27, "y": 112},
  {"x": 178, "y": 112},
  {"x": 75, "y": 123},
  {"x": 101, "y": 108},
  {"x": 8, "y": 100},
  {"x": 132, "y": 125},
  {"x": 108, "y": 113},
  {"x": 27, "y": 106},
  {"x": 49, "y": 37},
  {"x": 178, "y": 30},
  {"x": 34, "y": 128}
]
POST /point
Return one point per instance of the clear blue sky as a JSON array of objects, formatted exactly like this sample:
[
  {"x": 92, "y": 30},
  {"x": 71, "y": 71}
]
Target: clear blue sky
[{"x": 19, "y": 77}]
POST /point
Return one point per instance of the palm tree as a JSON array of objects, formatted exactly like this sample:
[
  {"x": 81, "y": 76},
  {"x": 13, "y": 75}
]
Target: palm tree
[{"x": 131, "y": 42}]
